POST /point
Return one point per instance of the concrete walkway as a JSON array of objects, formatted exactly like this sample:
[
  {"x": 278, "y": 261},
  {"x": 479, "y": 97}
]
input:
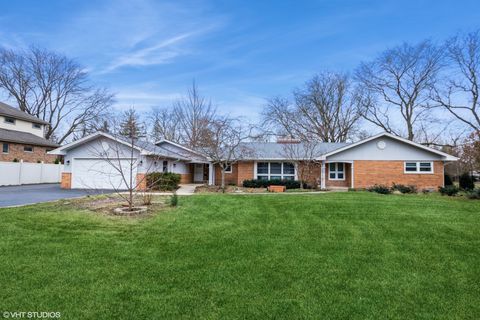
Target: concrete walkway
[{"x": 183, "y": 190}]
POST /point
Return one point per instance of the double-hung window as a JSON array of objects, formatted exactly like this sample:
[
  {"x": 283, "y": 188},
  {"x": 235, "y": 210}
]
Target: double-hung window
[
  {"x": 336, "y": 171},
  {"x": 275, "y": 171},
  {"x": 418, "y": 167},
  {"x": 5, "y": 148},
  {"x": 165, "y": 166}
]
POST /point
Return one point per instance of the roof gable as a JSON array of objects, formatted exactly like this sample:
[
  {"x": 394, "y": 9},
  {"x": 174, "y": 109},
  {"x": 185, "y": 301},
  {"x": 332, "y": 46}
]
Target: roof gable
[{"x": 441, "y": 155}]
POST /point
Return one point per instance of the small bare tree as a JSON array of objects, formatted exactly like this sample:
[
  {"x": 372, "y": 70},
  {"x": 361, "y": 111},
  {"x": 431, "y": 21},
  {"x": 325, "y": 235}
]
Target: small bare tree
[
  {"x": 460, "y": 90},
  {"x": 303, "y": 154},
  {"x": 224, "y": 143},
  {"x": 395, "y": 87},
  {"x": 53, "y": 88},
  {"x": 324, "y": 109}
]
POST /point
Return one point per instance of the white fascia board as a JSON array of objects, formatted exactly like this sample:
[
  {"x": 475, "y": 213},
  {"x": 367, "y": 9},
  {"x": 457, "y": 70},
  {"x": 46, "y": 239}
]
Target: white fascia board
[
  {"x": 385, "y": 134},
  {"x": 178, "y": 146},
  {"x": 62, "y": 150}
]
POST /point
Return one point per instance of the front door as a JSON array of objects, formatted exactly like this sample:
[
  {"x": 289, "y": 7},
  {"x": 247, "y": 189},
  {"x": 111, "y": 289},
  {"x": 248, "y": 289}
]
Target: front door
[{"x": 198, "y": 172}]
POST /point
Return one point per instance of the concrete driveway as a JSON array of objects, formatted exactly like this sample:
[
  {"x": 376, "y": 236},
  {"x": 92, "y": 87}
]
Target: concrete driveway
[{"x": 36, "y": 193}]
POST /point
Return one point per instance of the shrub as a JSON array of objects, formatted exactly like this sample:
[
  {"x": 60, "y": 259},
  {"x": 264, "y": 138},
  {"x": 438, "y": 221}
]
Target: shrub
[
  {"x": 466, "y": 182},
  {"x": 379, "y": 188},
  {"x": 163, "y": 181},
  {"x": 15, "y": 160},
  {"x": 257, "y": 183},
  {"x": 174, "y": 200},
  {"x": 404, "y": 189},
  {"x": 57, "y": 161},
  {"x": 474, "y": 194},
  {"x": 448, "y": 180},
  {"x": 449, "y": 190}
]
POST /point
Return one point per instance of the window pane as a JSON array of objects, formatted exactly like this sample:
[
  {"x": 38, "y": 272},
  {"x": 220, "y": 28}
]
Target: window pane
[
  {"x": 275, "y": 177},
  {"x": 425, "y": 166},
  {"x": 411, "y": 166},
  {"x": 275, "y": 167},
  {"x": 288, "y": 177},
  {"x": 262, "y": 167},
  {"x": 262, "y": 177},
  {"x": 332, "y": 166},
  {"x": 332, "y": 175},
  {"x": 5, "y": 148},
  {"x": 288, "y": 168},
  {"x": 340, "y": 175},
  {"x": 340, "y": 167},
  {"x": 28, "y": 149}
]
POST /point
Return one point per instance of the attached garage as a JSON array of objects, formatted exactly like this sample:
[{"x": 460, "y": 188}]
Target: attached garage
[{"x": 100, "y": 174}]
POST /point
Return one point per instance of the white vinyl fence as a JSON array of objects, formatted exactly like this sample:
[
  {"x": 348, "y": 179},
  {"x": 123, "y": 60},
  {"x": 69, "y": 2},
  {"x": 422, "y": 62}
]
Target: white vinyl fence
[{"x": 17, "y": 173}]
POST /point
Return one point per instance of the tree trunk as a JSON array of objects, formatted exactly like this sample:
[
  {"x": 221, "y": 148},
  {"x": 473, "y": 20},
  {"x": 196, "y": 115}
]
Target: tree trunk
[{"x": 223, "y": 180}]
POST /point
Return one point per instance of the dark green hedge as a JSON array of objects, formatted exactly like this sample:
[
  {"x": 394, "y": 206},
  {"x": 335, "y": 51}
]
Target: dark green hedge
[
  {"x": 256, "y": 183},
  {"x": 163, "y": 181}
]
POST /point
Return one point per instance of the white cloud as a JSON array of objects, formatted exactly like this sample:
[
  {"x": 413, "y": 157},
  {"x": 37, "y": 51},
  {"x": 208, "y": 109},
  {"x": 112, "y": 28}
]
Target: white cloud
[{"x": 159, "y": 53}]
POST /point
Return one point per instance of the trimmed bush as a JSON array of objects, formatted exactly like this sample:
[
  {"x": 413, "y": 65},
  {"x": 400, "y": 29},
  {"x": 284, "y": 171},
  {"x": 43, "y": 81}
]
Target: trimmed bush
[
  {"x": 466, "y": 182},
  {"x": 379, "y": 188},
  {"x": 448, "y": 180},
  {"x": 163, "y": 181},
  {"x": 404, "y": 189},
  {"x": 474, "y": 194},
  {"x": 257, "y": 183},
  {"x": 449, "y": 190}
]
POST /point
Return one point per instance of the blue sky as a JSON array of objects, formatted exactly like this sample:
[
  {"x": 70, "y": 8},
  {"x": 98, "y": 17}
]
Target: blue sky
[{"x": 239, "y": 52}]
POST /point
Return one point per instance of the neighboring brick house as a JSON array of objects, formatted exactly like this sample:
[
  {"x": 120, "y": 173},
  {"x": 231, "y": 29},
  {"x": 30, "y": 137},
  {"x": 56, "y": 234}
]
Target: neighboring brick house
[
  {"x": 22, "y": 137},
  {"x": 381, "y": 159}
]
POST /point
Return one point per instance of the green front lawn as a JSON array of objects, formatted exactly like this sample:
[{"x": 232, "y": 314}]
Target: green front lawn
[{"x": 344, "y": 255}]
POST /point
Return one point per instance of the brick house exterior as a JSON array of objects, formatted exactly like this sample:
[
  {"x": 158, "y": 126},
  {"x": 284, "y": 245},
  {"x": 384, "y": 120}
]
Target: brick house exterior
[
  {"x": 381, "y": 159},
  {"x": 22, "y": 137}
]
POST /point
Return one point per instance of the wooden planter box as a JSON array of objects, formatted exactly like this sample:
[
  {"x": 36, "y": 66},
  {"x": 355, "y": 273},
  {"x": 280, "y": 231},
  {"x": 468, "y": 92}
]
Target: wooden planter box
[{"x": 276, "y": 188}]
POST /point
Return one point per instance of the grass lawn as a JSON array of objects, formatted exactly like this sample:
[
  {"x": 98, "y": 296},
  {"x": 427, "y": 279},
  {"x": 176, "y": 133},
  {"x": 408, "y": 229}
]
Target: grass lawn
[{"x": 350, "y": 255}]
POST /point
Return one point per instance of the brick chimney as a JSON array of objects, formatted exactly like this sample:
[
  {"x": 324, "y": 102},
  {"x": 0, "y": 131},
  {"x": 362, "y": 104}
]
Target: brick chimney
[{"x": 287, "y": 139}]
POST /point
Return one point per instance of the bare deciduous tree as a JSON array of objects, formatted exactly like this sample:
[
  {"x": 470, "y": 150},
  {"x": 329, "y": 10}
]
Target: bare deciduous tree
[
  {"x": 303, "y": 155},
  {"x": 53, "y": 88},
  {"x": 459, "y": 92},
  {"x": 193, "y": 114},
  {"x": 164, "y": 125},
  {"x": 224, "y": 144},
  {"x": 324, "y": 109},
  {"x": 395, "y": 87}
]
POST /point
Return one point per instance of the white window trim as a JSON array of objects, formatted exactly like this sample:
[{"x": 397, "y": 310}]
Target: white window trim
[
  {"x": 39, "y": 126},
  {"x": 336, "y": 171},
  {"x": 231, "y": 169},
  {"x": 12, "y": 123},
  {"x": 269, "y": 174},
  {"x": 8, "y": 148},
  {"x": 28, "y": 151},
  {"x": 418, "y": 167}
]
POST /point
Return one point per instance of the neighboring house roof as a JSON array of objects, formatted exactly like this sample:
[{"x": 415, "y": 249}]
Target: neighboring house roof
[
  {"x": 385, "y": 134},
  {"x": 280, "y": 151},
  {"x": 9, "y": 111},
  {"x": 25, "y": 138}
]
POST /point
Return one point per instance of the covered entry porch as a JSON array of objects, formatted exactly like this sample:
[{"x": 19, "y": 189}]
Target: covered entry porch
[
  {"x": 337, "y": 174},
  {"x": 201, "y": 172}
]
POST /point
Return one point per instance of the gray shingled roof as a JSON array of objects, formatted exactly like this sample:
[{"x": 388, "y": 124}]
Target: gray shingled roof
[
  {"x": 24, "y": 138},
  {"x": 274, "y": 150},
  {"x": 9, "y": 111},
  {"x": 158, "y": 151}
]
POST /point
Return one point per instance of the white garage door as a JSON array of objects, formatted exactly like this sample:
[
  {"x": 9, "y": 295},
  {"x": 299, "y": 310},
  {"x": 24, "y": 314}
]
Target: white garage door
[{"x": 99, "y": 174}]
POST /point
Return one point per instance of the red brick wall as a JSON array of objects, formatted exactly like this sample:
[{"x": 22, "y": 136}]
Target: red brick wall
[
  {"x": 230, "y": 178},
  {"x": 339, "y": 183},
  {"x": 368, "y": 173},
  {"x": 242, "y": 170},
  {"x": 141, "y": 182},
  {"x": 16, "y": 152}
]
